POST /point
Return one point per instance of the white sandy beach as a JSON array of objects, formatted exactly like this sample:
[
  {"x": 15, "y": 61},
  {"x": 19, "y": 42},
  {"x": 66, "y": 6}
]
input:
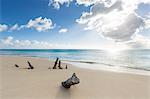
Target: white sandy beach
[{"x": 44, "y": 83}]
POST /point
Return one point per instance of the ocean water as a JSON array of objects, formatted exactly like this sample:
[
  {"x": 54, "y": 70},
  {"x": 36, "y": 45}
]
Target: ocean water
[{"x": 131, "y": 59}]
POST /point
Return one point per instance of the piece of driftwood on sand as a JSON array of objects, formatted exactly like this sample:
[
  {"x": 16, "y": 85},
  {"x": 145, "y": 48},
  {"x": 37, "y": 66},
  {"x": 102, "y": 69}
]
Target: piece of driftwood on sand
[
  {"x": 66, "y": 67},
  {"x": 54, "y": 67},
  {"x": 16, "y": 66},
  {"x": 30, "y": 66},
  {"x": 59, "y": 65},
  {"x": 71, "y": 81}
]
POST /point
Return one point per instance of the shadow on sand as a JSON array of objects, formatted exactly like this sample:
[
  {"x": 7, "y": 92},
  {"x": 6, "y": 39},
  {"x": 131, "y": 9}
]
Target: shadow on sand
[{"x": 63, "y": 93}]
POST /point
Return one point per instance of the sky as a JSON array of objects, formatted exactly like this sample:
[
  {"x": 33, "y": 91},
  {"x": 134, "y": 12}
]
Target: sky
[{"x": 75, "y": 24}]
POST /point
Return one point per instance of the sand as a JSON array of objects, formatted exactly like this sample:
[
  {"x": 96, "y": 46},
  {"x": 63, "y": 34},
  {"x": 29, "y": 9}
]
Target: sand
[{"x": 44, "y": 83}]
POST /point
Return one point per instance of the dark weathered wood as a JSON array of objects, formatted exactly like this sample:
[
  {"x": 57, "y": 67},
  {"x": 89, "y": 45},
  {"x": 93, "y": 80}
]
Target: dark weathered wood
[
  {"x": 71, "y": 81},
  {"x": 16, "y": 66},
  {"x": 66, "y": 67},
  {"x": 54, "y": 67},
  {"x": 30, "y": 66},
  {"x": 59, "y": 65}
]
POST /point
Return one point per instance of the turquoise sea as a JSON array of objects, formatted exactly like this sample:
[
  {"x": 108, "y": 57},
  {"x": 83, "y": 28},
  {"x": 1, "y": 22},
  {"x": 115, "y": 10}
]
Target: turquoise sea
[{"x": 132, "y": 59}]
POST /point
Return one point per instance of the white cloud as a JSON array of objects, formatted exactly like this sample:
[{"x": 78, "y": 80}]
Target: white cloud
[
  {"x": 147, "y": 16},
  {"x": 7, "y": 41},
  {"x": 86, "y": 2},
  {"x": 15, "y": 43},
  {"x": 10, "y": 42},
  {"x": 115, "y": 19},
  {"x": 15, "y": 27},
  {"x": 139, "y": 42},
  {"x": 125, "y": 30},
  {"x": 3, "y": 27},
  {"x": 63, "y": 30},
  {"x": 40, "y": 24},
  {"x": 29, "y": 44},
  {"x": 147, "y": 24},
  {"x": 57, "y": 3}
]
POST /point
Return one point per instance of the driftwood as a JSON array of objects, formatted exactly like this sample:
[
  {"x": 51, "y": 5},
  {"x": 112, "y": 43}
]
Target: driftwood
[
  {"x": 66, "y": 67},
  {"x": 16, "y": 66},
  {"x": 59, "y": 65},
  {"x": 54, "y": 67},
  {"x": 71, "y": 81},
  {"x": 30, "y": 66}
]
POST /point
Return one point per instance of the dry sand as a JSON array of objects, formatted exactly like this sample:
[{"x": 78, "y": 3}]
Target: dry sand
[{"x": 44, "y": 83}]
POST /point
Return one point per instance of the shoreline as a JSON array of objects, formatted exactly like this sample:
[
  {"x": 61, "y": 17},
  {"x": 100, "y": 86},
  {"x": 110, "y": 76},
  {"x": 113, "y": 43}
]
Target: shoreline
[
  {"x": 95, "y": 66},
  {"x": 44, "y": 83}
]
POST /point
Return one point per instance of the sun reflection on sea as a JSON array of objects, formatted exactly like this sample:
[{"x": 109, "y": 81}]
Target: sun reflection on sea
[{"x": 113, "y": 52}]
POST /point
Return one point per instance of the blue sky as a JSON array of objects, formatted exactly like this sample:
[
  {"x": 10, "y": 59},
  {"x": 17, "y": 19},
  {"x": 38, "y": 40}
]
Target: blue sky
[
  {"x": 71, "y": 24},
  {"x": 21, "y": 11}
]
